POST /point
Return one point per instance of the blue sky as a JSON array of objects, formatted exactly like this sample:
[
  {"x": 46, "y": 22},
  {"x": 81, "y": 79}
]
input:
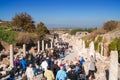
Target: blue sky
[{"x": 63, "y": 13}]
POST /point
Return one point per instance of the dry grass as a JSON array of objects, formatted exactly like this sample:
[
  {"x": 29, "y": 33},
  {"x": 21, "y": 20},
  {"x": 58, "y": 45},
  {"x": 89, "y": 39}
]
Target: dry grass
[
  {"x": 95, "y": 33},
  {"x": 24, "y": 38}
]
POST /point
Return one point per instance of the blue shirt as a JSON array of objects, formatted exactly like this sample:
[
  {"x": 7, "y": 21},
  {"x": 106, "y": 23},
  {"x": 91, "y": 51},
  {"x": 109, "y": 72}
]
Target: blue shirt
[
  {"x": 61, "y": 75},
  {"x": 23, "y": 63},
  {"x": 82, "y": 61},
  {"x": 77, "y": 69}
]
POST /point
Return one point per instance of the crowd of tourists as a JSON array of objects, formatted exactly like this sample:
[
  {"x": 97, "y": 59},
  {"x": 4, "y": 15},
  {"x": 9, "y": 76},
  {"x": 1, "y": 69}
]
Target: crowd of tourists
[{"x": 51, "y": 66}]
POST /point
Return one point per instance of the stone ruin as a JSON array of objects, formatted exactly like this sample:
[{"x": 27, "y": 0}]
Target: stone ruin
[
  {"x": 107, "y": 67},
  {"x": 6, "y": 63}
]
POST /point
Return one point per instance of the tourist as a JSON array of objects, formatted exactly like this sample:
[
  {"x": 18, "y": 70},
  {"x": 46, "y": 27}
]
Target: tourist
[
  {"x": 82, "y": 60},
  {"x": 30, "y": 72},
  {"x": 44, "y": 65},
  {"x": 55, "y": 68},
  {"x": 29, "y": 58},
  {"x": 68, "y": 68},
  {"x": 17, "y": 65},
  {"x": 77, "y": 68},
  {"x": 35, "y": 69},
  {"x": 49, "y": 74},
  {"x": 72, "y": 75},
  {"x": 91, "y": 68},
  {"x": 59, "y": 62},
  {"x": 23, "y": 65},
  {"x": 12, "y": 76},
  {"x": 61, "y": 74}
]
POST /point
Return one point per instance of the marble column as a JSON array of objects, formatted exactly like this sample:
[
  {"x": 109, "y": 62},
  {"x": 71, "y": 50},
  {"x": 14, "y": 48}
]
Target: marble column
[
  {"x": 113, "y": 70},
  {"x": 42, "y": 45},
  {"x": 24, "y": 50},
  {"x": 83, "y": 44},
  {"x": 51, "y": 44},
  {"x": 46, "y": 46},
  {"x": 102, "y": 47},
  {"x": 91, "y": 48},
  {"x": 38, "y": 46},
  {"x": 11, "y": 56}
]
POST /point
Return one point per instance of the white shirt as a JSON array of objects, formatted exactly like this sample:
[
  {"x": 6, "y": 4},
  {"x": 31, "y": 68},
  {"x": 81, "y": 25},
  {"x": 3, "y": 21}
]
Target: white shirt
[
  {"x": 44, "y": 65},
  {"x": 29, "y": 72}
]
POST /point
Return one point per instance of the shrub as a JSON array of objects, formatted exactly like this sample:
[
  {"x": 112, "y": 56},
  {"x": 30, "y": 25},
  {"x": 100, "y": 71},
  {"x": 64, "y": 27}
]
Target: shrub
[
  {"x": 73, "y": 31},
  {"x": 8, "y": 36},
  {"x": 96, "y": 45},
  {"x": 99, "y": 39},
  {"x": 115, "y": 45},
  {"x": 87, "y": 43},
  {"x": 110, "y": 25}
]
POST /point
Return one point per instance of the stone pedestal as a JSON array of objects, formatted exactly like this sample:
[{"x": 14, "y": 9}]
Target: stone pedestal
[
  {"x": 113, "y": 70},
  {"x": 11, "y": 56},
  {"x": 24, "y": 49},
  {"x": 38, "y": 46},
  {"x": 42, "y": 45}
]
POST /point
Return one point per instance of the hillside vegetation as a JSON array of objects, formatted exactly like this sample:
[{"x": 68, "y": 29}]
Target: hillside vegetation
[
  {"x": 22, "y": 30},
  {"x": 112, "y": 30},
  {"x": 8, "y": 36},
  {"x": 75, "y": 30}
]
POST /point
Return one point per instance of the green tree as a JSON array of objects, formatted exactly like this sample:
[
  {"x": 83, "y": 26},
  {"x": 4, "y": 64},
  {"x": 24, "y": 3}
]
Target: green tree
[
  {"x": 110, "y": 25},
  {"x": 24, "y": 22},
  {"x": 41, "y": 30}
]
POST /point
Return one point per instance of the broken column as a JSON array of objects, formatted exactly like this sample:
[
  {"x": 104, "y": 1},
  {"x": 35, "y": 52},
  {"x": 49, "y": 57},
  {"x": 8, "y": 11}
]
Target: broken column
[
  {"x": 38, "y": 46},
  {"x": 11, "y": 56},
  {"x": 113, "y": 70},
  {"x": 24, "y": 49},
  {"x": 42, "y": 45}
]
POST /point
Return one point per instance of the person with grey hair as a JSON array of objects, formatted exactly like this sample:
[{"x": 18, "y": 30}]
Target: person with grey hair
[{"x": 61, "y": 74}]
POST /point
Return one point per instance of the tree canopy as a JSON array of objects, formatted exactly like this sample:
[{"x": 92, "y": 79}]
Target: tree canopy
[
  {"x": 110, "y": 25},
  {"x": 41, "y": 30},
  {"x": 24, "y": 22}
]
